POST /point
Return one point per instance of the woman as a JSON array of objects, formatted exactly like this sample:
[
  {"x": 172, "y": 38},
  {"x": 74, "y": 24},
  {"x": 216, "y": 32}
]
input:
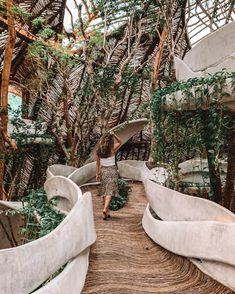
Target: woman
[{"x": 106, "y": 169}]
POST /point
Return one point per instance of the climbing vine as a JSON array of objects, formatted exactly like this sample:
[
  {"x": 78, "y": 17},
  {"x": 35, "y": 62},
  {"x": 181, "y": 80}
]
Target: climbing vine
[{"x": 191, "y": 120}]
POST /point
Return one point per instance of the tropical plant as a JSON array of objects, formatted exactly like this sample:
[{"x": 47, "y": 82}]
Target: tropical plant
[
  {"x": 121, "y": 199},
  {"x": 196, "y": 125}
]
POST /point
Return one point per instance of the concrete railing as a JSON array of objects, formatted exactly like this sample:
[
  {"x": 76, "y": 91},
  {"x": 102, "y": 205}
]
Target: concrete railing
[
  {"x": 124, "y": 131},
  {"x": 193, "y": 227},
  {"x": 179, "y": 99},
  {"x": 26, "y": 267},
  {"x": 190, "y": 226},
  {"x": 212, "y": 54}
]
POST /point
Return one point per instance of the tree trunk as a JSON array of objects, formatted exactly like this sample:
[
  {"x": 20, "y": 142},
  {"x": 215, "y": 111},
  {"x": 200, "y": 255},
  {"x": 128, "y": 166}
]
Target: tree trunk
[
  {"x": 230, "y": 178},
  {"x": 7, "y": 66},
  {"x": 215, "y": 180},
  {"x": 158, "y": 58},
  {"x": 4, "y": 93},
  {"x": 214, "y": 173},
  {"x": 2, "y": 164}
]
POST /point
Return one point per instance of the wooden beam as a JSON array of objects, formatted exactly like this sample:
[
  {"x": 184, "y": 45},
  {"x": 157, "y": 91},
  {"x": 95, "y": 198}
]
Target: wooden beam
[{"x": 20, "y": 31}]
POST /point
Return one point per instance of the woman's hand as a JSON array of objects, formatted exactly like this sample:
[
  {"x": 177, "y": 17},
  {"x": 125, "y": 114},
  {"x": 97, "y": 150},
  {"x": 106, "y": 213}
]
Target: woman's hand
[{"x": 97, "y": 177}]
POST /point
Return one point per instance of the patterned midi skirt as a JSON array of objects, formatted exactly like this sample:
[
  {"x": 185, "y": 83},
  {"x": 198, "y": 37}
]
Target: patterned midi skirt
[{"x": 109, "y": 180}]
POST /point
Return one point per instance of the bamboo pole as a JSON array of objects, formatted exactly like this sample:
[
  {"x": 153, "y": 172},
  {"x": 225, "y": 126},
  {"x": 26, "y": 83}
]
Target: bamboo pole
[{"x": 4, "y": 93}]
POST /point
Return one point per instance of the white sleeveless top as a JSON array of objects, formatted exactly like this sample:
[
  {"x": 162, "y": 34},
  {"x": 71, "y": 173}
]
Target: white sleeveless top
[{"x": 109, "y": 161}]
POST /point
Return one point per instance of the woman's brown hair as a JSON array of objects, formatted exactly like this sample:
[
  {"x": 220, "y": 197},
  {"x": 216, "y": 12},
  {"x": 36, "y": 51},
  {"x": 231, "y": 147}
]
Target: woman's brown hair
[{"x": 105, "y": 146}]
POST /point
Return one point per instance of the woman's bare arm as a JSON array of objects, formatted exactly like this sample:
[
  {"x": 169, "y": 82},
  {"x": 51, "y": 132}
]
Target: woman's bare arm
[{"x": 119, "y": 141}]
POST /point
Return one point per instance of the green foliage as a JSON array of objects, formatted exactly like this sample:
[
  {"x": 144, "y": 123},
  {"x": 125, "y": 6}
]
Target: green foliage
[
  {"x": 197, "y": 125},
  {"x": 38, "y": 22},
  {"x": 46, "y": 33},
  {"x": 21, "y": 14},
  {"x": 27, "y": 133},
  {"x": 37, "y": 205},
  {"x": 96, "y": 39},
  {"x": 3, "y": 9},
  {"x": 120, "y": 200}
]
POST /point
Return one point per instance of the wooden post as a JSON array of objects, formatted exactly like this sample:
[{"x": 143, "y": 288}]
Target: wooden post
[
  {"x": 158, "y": 57},
  {"x": 230, "y": 179},
  {"x": 4, "y": 93}
]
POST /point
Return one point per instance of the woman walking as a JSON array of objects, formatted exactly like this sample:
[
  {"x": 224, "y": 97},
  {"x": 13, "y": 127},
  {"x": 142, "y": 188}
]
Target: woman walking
[{"x": 106, "y": 169}]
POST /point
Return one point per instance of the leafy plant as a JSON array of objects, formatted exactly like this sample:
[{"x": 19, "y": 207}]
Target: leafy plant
[
  {"x": 196, "y": 125},
  {"x": 121, "y": 199},
  {"x": 40, "y": 216}
]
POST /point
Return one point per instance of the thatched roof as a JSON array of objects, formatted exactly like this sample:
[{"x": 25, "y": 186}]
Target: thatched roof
[
  {"x": 51, "y": 10},
  {"x": 129, "y": 99}
]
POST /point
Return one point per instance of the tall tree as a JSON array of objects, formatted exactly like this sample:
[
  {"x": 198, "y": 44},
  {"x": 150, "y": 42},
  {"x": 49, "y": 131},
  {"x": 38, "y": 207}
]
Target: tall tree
[{"x": 4, "y": 92}]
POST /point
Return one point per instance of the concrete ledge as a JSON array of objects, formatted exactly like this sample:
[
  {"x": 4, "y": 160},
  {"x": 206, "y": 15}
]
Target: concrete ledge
[
  {"x": 171, "y": 205},
  {"x": 72, "y": 278},
  {"x": 60, "y": 170},
  {"x": 29, "y": 265},
  {"x": 213, "y": 49},
  {"x": 124, "y": 131},
  {"x": 208, "y": 240},
  {"x": 179, "y": 100},
  {"x": 195, "y": 228}
]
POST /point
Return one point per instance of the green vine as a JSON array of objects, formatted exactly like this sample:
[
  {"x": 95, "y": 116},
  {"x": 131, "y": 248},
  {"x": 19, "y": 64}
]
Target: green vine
[{"x": 190, "y": 121}]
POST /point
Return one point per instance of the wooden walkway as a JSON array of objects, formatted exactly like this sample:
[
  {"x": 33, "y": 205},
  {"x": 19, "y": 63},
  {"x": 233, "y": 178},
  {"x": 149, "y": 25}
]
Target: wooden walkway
[{"x": 125, "y": 260}]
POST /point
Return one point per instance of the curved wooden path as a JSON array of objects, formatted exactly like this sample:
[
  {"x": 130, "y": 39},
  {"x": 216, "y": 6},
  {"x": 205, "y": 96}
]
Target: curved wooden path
[{"x": 125, "y": 260}]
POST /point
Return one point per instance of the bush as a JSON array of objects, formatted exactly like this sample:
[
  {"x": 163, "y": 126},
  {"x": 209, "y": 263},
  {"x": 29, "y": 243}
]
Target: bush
[{"x": 120, "y": 200}]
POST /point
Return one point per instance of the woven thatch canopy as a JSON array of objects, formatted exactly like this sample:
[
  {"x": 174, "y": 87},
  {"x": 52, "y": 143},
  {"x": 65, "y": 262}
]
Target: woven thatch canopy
[
  {"x": 138, "y": 51},
  {"x": 51, "y": 10}
]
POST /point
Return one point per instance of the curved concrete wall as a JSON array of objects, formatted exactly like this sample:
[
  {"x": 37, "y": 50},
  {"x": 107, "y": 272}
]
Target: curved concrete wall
[
  {"x": 213, "y": 49},
  {"x": 60, "y": 170},
  {"x": 83, "y": 174},
  {"x": 208, "y": 240},
  {"x": 124, "y": 131},
  {"x": 212, "y": 54},
  {"x": 27, "y": 266},
  {"x": 179, "y": 100},
  {"x": 72, "y": 278},
  {"x": 171, "y": 205},
  {"x": 195, "y": 228},
  {"x": 190, "y": 226}
]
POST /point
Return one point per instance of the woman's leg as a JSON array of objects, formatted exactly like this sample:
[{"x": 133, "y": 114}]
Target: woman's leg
[{"x": 106, "y": 205}]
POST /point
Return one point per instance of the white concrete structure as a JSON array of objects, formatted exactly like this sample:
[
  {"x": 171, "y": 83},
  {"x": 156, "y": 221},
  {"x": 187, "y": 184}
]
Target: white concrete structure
[
  {"x": 189, "y": 226},
  {"x": 213, "y": 53},
  {"x": 195, "y": 228},
  {"x": 195, "y": 173},
  {"x": 26, "y": 267},
  {"x": 124, "y": 131}
]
